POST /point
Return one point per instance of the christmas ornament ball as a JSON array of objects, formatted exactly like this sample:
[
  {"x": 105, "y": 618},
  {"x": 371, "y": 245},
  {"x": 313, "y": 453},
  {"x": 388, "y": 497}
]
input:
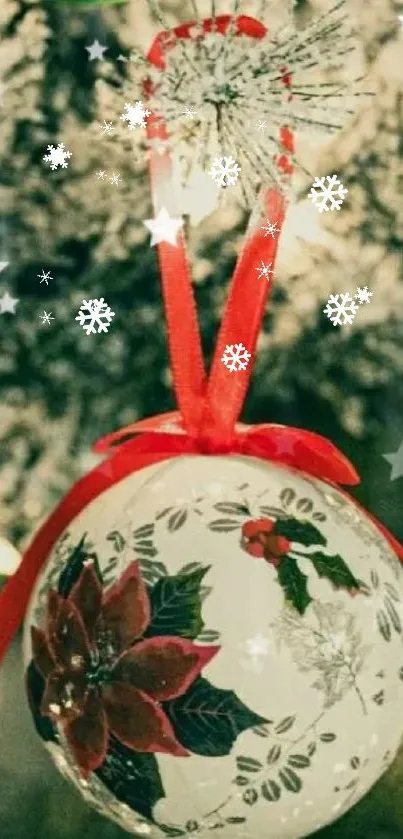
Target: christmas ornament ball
[{"x": 215, "y": 644}]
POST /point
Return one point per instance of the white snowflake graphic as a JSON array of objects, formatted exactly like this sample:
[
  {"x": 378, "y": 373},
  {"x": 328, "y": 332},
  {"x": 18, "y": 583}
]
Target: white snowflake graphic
[
  {"x": 235, "y": 357},
  {"x": 44, "y": 277},
  {"x": 341, "y": 309},
  {"x": 270, "y": 229},
  {"x": 363, "y": 295},
  {"x": 261, "y": 125},
  {"x": 189, "y": 112},
  {"x": 264, "y": 270},
  {"x": 95, "y": 313},
  {"x": 57, "y": 157},
  {"x": 135, "y": 115},
  {"x": 255, "y": 648},
  {"x": 46, "y": 317},
  {"x": 224, "y": 171},
  {"x": 115, "y": 179},
  {"x": 107, "y": 128},
  {"x": 328, "y": 196},
  {"x": 101, "y": 174}
]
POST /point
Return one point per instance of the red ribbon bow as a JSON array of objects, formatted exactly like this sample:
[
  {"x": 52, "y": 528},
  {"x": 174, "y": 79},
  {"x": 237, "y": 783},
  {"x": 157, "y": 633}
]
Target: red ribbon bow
[{"x": 209, "y": 407}]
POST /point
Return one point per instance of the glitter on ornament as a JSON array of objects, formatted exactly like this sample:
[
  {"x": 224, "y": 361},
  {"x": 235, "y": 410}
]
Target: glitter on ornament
[{"x": 292, "y": 79}]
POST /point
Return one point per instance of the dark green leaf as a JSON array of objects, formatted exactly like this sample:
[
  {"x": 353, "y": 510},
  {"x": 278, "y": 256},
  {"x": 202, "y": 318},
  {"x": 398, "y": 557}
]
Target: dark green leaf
[
  {"x": 223, "y": 525},
  {"x": 250, "y": 796},
  {"x": 393, "y": 614},
  {"x": 236, "y": 820},
  {"x": 35, "y": 685},
  {"x": 144, "y": 532},
  {"x": 207, "y": 636},
  {"x": 299, "y": 761},
  {"x": 261, "y": 730},
  {"x": 117, "y": 540},
  {"x": 232, "y": 508},
  {"x": 327, "y": 737},
  {"x": 374, "y": 579},
  {"x": 379, "y": 697},
  {"x": 274, "y": 754},
  {"x": 151, "y": 552},
  {"x": 163, "y": 513},
  {"x": 290, "y": 780},
  {"x": 383, "y": 624},
  {"x": 177, "y": 520},
  {"x": 319, "y": 517},
  {"x": 207, "y": 720},
  {"x": 294, "y": 584},
  {"x": 241, "y": 781},
  {"x": 304, "y": 505},
  {"x": 133, "y": 777},
  {"x": 287, "y": 496},
  {"x": 248, "y": 764},
  {"x": 334, "y": 569},
  {"x": 392, "y": 592},
  {"x": 311, "y": 749},
  {"x": 271, "y": 790},
  {"x": 74, "y": 567},
  {"x": 176, "y": 605},
  {"x": 169, "y": 830},
  {"x": 355, "y": 762},
  {"x": 285, "y": 724},
  {"x": 273, "y": 512},
  {"x": 191, "y": 566},
  {"x": 302, "y": 532}
]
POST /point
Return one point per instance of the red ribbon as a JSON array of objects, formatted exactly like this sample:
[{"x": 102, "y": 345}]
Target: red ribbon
[{"x": 209, "y": 408}]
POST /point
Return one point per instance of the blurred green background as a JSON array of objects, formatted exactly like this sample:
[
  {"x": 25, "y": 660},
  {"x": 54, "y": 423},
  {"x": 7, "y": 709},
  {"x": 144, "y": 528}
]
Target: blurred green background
[{"x": 61, "y": 389}]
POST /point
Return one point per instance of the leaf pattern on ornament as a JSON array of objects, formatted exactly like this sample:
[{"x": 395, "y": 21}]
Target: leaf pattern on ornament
[
  {"x": 327, "y": 643},
  {"x": 176, "y": 605},
  {"x": 133, "y": 777}
]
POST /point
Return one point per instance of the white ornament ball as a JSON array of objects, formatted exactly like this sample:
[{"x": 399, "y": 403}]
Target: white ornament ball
[{"x": 217, "y": 644}]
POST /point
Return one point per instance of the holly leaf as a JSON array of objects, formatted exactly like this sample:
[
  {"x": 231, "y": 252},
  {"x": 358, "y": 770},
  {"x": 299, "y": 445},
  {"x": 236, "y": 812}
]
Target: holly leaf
[
  {"x": 176, "y": 605},
  {"x": 74, "y": 567},
  {"x": 334, "y": 569},
  {"x": 302, "y": 532},
  {"x": 35, "y": 684},
  {"x": 133, "y": 777},
  {"x": 207, "y": 720},
  {"x": 294, "y": 584}
]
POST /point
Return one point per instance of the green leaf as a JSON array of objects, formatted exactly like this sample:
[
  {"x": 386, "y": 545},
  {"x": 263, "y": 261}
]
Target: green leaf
[
  {"x": 327, "y": 737},
  {"x": 334, "y": 569},
  {"x": 299, "y": 761},
  {"x": 176, "y": 605},
  {"x": 223, "y": 525},
  {"x": 271, "y": 790},
  {"x": 393, "y": 614},
  {"x": 274, "y": 753},
  {"x": 241, "y": 781},
  {"x": 290, "y": 780},
  {"x": 133, "y": 777},
  {"x": 285, "y": 724},
  {"x": 208, "y": 636},
  {"x": 236, "y": 820},
  {"x": 117, "y": 540},
  {"x": 294, "y": 584},
  {"x": 35, "y": 685},
  {"x": 248, "y": 764},
  {"x": 74, "y": 567},
  {"x": 383, "y": 624},
  {"x": 144, "y": 532},
  {"x": 177, "y": 520},
  {"x": 207, "y": 720},
  {"x": 302, "y": 532},
  {"x": 232, "y": 508}
]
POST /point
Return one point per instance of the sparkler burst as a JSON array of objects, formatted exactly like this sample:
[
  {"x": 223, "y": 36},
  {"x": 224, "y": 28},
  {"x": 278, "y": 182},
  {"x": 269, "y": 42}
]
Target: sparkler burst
[{"x": 231, "y": 71}]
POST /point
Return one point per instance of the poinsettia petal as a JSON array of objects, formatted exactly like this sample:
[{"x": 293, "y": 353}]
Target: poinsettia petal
[
  {"x": 65, "y": 695},
  {"x": 41, "y": 653},
  {"x": 163, "y": 667},
  {"x": 86, "y": 595},
  {"x": 67, "y": 638},
  {"x": 126, "y": 609},
  {"x": 138, "y": 721},
  {"x": 87, "y": 735}
]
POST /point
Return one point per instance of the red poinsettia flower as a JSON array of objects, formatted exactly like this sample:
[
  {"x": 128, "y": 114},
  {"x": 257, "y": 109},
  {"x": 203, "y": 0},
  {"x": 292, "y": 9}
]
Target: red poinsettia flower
[
  {"x": 102, "y": 677},
  {"x": 259, "y": 538}
]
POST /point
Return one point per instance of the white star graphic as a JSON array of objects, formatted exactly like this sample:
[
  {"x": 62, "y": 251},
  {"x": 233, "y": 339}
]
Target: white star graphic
[
  {"x": 396, "y": 459},
  {"x": 96, "y": 50},
  {"x": 163, "y": 228},
  {"x": 8, "y": 303}
]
